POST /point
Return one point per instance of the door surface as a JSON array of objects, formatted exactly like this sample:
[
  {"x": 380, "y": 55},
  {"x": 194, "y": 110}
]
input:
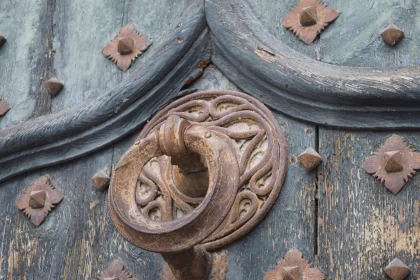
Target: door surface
[{"x": 344, "y": 95}]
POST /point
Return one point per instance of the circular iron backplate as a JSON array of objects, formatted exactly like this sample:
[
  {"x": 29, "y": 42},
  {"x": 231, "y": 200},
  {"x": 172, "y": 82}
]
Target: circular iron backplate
[{"x": 261, "y": 153}]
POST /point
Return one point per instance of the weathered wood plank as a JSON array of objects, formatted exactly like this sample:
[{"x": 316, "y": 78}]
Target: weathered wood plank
[
  {"x": 271, "y": 13},
  {"x": 78, "y": 239},
  {"x": 84, "y": 28},
  {"x": 363, "y": 226},
  {"x": 89, "y": 126},
  {"x": 22, "y": 58},
  {"x": 291, "y": 221},
  {"x": 354, "y": 38},
  {"x": 305, "y": 88},
  {"x": 81, "y": 31}
]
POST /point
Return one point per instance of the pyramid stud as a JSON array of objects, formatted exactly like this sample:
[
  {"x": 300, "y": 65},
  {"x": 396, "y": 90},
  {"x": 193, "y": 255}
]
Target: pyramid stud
[
  {"x": 393, "y": 161},
  {"x": 308, "y": 19},
  {"x": 116, "y": 271},
  {"x": 308, "y": 16},
  {"x": 53, "y": 86},
  {"x": 397, "y": 270},
  {"x": 2, "y": 39},
  {"x": 37, "y": 199},
  {"x": 100, "y": 181},
  {"x": 291, "y": 273},
  {"x": 310, "y": 159},
  {"x": 294, "y": 266},
  {"x": 125, "y": 45},
  {"x": 392, "y": 35}
]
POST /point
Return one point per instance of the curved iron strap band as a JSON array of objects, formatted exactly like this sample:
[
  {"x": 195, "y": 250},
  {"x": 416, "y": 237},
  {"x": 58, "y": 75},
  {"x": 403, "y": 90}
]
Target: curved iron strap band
[{"x": 181, "y": 234}]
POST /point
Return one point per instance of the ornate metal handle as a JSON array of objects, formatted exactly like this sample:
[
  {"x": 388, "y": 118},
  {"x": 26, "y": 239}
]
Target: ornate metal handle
[
  {"x": 205, "y": 170},
  {"x": 179, "y": 140}
]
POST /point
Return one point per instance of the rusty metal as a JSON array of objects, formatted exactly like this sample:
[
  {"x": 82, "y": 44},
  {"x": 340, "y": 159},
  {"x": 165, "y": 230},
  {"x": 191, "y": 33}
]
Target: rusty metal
[
  {"x": 310, "y": 159},
  {"x": 116, "y": 271},
  {"x": 126, "y": 47},
  {"x": 219, "y": 268},
  {"x": 100, "y": 181},
  {"x": 2, "y": 39},
  {"x": 294, "y": 266},
  {"x": 204, "y": 171},
  {"x": 392, "y": 35},
  {"x": 191, "y": 264},
  {"x": 39, "y": 199},
  {"x": 308, "y": 19},
  {"x": 397, "y": 270},
  {"x": 393, "y": 163},
  {"x": 53, "y": 86},
  {"x": 4, "y": 108}
]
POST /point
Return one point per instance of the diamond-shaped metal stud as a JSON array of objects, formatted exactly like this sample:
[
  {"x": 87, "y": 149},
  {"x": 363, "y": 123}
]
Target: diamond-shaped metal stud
[
  {"x": 100, "y": 181},
  {"x": 308, "y": 16},
  {"x": 393, "y": 163},
  {"x": 294, "y": 266},
  {"x": 308, "y": 19},
  {"x": 310, "y": 159},
  {"x": 4, "y": 107},
  {"x": 126, "y": 47},
  {"x": 397, "y": 270},
  {"x": 116, "y": 271},
  {"x": 292, "y": 273},
  {"x": 2, "y": 39},
  {"x": 53, "y": 86},
  {"x": 392, "y": 35},
  {"x": 39, "y": 199}
]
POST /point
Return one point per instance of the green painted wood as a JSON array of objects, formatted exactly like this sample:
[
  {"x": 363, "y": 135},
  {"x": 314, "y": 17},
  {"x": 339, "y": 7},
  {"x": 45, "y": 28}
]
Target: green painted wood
[
  {"x": 271, "y": 13},
  {"x": 78, "y": 240},
  {"x": 22, "y": 59},
  {"x": 354, "y": 38},
  {"x": 291, "y": 221},
  {"x": 353, "y": 230},
  {"x": 81, "y": 31},
  {"x": 362, "y": 226}
]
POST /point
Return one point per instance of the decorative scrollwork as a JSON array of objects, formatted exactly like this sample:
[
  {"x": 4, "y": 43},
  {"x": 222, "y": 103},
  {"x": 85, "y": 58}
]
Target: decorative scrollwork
[{"x": 260, "y": 151}]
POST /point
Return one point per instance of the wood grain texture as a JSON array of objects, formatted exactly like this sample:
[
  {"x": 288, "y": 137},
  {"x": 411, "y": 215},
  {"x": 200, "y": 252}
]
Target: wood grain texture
[
  {"x": 291, "y": 221},
  {"x": 115, "y": 113},
  {"x": 23, "y": 59},
  {"x": 271, "y": 13},
  {"x": 81, "y": 31},
  {"x": 354, "y": 38},
  {"x": 362, "y": 225},
  {"x": 302, "y": 87},
  {"x": 78, "y": 239}
]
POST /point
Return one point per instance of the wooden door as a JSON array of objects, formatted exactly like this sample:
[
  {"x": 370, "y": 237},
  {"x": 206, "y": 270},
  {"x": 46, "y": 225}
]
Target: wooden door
[{"x": 343, "y": 95}]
